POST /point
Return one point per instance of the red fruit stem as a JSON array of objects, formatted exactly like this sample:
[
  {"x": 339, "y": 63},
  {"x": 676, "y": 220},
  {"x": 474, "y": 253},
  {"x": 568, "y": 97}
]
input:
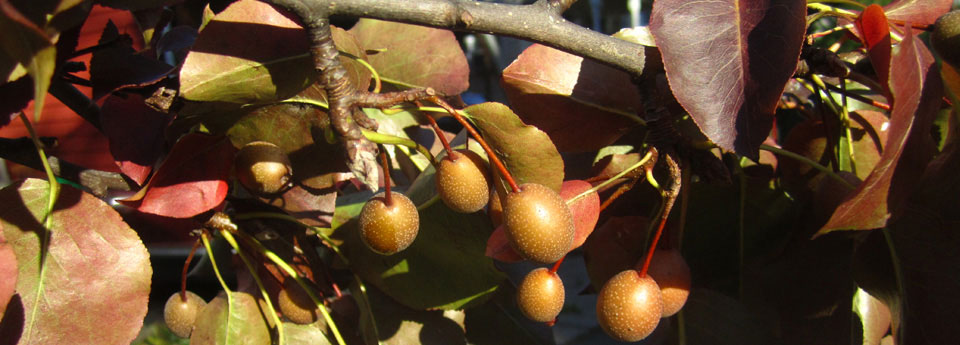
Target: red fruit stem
[
  {"x": 653, "y": 245},
  {"x": 556, "y": 265},
  {"x": 388, "y": 198},
  {"x": 924, "y": 27},
  {"x": 616, "y": 194},
  {"x": 183, "y": 276},
  {"x": 486, "y": 147},
  {"x": 443, "y": 138}
]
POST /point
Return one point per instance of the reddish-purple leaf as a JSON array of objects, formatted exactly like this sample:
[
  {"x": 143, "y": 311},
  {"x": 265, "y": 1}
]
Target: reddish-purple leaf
[
  {"x": 192, "y": 180},
  {"x": 528, "y": 152},
  {"x": 311, "y": 208},
  {"x": 875, "y": 33},
  {"x": 135, "y": 132},
  {"x": 922, "y": 12},
  {"x": 616, "y": 245},
  {"x": 8, "y": 272},
  {"x": 918, "y": 90},
  {"x": 91, "y": 279},
  {"x": 118, "y": 66},
  {"x": 580, "y": 103},
  {"x": 586, "y": 211},
  {"x": 728, "y": 62},
  {"x": 415, "y": 55}
]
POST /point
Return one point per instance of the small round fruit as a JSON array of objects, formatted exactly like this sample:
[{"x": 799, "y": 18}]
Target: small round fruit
[
  {"x": 296, "y": 305},
  {"x": 670, "y": 271},
  {"x": 629, "y": 306},
  {"x": 263, "y": 168},
  {"x": 388, "y": 229},
  {"x": 180, "y": 315},
  {"x": 540, "y": 295},
  {"x": 463, "y": 181},
  {"x": 946, "y": 37},
  {"x": 538, "y": 222}
]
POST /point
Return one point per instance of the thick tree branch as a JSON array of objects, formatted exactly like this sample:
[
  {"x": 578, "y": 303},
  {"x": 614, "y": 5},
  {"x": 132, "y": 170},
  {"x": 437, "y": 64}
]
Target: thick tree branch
[{"x": 540, "y": 22}]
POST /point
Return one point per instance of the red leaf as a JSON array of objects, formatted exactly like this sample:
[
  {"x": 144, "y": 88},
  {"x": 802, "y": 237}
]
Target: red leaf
[
  {"x": 192, "y": 180},
  {"x": 728, "y": 62},
  {"x": 917, "y": 11},
  {"x": 908, "y": 147},
  {"x": 556, "y": 91},
  {"x": 95, "y": 277},
  {"x": 875, "y": 32},
  {"x": 585, "y": 211},
  {"x": 118, "y": 66},
  {"x": 8, "y": 272},
  {"x": 616, "y": 245},
  {"x": 135, "y": 132}
]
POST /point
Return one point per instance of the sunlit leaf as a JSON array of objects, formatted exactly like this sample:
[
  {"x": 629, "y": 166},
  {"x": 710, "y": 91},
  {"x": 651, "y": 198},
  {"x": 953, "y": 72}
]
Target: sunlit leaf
[
  {"x": 528, "y": 152},
  {"x": 228, "y": 320},
  {"x": 415, "y": 56},
  {"x": 875, "y": 32},
  {"x": 296, "y": 334},
  {"x": 252, "y": 53},
  {"x": 93, "y": 271},
  {"x": 581, "y": 104},
  {"x": 28, "y": 44},
  {"x": 192, "y": 180},
  {"x": 908, "y": 147},
  {"x": 917, "y": 11},
  {"x": 728, "y": 62},
  {"x": 8, "y": 271}
]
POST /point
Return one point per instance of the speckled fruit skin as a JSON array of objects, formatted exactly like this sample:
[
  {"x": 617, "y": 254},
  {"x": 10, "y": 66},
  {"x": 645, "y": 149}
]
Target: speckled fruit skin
[
  {"x": 263, "y": 168},
  {"x": 463, "y": 181},
  {"x": 389, "y": 229},
  {"x": 538, "y": 222},
  {"x": 629, "y": 307},
  {"x": 540, "y": 295},
  {"x": 946, "y": 37},
  {"x": 180, "y": 316},
  {"x": 296, "y": 305},
  {"x": 672, "y": 274}
]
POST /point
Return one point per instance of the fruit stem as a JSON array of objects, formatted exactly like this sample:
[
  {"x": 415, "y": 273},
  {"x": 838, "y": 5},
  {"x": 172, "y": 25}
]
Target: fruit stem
[
  {"x": 381, "y": 138},
  {"x": 183, "y": 276},
  {"x": 387, "y": 196},
  {"x": 610, "y": 180},
  {"x": 808, "y": 161},
  {"x": 669, "y": 198},
  {"x": 263, "y": 290},
  {"x": 486, "y": 147},
  {"x": 443, "y": 138},
  {"x": 556, "y": 265}
]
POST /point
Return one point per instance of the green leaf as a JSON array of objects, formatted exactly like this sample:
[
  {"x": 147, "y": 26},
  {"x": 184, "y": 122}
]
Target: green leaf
[
  {"x": 252, "y": 53},
  {"x": 528, "y": 152},
  {"x": 397, "y": 324},
  {"x": 92, "y": 271},
  {"x": 444, "y": 268},
  {"x": 229, "y": 319},
  {"x": 415, "y": 56}
]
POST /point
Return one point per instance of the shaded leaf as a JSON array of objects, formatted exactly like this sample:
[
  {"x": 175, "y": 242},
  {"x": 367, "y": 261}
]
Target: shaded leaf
[
  {"x": 95, "y": 270},
  {"x": 738, "y": 325},
  {"x": 728, "y": 62},
  {"x": 253, "y": 53},
  {"x": 875, "y": 33},
  {"x": 500, "y": 322},
  {"x": 16, "y": 96},
  {"x": 118, "y": 65},
  {"x": 527, "y": 152},
  {"x": 192, "y": 179},
  {"x": 398, "y": 325},
  {"x": 908, "y": 147},
  {"x": 444, "y": 268},
  {"x": 581, "y": 104},
  {"x": 613, "y": 247},
  {"x": 415, "y": 56},
  {"x": 11, "y": 323},
  {"x": 586, "y": 212},
  {"x": 231, "y": 318},
  {"x": 26, "y": 43},
  {"x": 138, "y": 5},
  {"x": 135, "y": 132}
]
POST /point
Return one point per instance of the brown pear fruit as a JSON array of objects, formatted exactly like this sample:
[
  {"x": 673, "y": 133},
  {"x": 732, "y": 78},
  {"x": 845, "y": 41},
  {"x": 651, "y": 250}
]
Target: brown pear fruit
[
  {"x": 540, "y": 295},
  {"x": 263, "y": 168},
  {"x": 538, "y": 223},
  {"x": 296, "y": 305},
  {"x": 629, "y": 306},
  {"x": 463, "y": 181},
  {"x": 180, "y": 315},
  {"x": 388, "y": 229}
]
